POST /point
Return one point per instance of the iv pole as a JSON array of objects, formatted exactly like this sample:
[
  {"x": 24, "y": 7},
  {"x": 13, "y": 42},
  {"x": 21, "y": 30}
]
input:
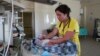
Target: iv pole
[
  {"x": 3, "y": 35},
  {"x": 10, "y": 35}
]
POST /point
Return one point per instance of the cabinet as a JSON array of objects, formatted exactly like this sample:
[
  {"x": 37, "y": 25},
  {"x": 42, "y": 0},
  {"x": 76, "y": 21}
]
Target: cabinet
[{"x": 96, "y": 33}]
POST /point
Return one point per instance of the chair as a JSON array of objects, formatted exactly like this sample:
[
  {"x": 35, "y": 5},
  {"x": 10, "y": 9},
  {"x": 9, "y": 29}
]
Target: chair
[{"x": 83, "y": 32}]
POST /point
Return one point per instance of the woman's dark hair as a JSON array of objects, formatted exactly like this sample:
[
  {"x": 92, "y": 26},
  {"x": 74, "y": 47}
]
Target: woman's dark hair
[{"x": 64, "y": 9}]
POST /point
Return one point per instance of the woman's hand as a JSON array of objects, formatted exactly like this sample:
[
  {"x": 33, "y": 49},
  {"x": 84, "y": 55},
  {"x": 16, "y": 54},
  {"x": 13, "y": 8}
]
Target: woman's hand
[
  {"x": 56, "y": 41},
  {"x": 51, "y": 42}
]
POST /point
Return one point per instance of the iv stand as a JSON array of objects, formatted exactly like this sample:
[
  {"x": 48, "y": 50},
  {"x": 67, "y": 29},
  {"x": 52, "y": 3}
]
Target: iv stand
[{"x": 3, "y": 35}]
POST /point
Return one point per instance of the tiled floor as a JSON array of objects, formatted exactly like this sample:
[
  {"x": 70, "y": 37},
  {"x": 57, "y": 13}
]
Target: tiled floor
[
  {"x": 26, "y": 53},
  {"x": 90, "y": 47}
]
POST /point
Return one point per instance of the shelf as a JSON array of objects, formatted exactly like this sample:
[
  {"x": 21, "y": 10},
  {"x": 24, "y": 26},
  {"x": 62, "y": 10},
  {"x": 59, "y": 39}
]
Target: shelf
[
  {"x": 18, "y": 18},
  {"x": 8, "y": 5}
]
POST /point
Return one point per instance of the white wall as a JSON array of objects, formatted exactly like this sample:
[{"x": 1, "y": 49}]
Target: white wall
[
  {"x": 45, "y": 14},
  {"x": 92, "y": 12}
]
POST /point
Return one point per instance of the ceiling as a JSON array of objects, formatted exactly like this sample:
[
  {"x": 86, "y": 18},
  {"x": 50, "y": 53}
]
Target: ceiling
[{"x": 48, "y": 2}]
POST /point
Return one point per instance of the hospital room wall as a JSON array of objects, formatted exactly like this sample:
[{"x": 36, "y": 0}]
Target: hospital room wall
[{"x": 45, "y": 14}]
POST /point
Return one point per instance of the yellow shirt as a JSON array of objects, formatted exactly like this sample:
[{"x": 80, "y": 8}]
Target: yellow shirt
[{"x": 72, "y": 25}]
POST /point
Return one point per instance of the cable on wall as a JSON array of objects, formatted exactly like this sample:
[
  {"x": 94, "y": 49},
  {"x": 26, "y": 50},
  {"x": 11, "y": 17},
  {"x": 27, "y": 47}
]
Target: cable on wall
[{"x": 10, "y": 35}]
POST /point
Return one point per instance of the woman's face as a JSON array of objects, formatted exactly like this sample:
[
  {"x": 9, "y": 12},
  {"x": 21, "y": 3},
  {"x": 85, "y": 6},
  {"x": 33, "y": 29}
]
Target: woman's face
[{"x": 61, "y": 16}]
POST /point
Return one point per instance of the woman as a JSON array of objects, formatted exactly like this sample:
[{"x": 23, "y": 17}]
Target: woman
[{"x": 67, "y": 28}]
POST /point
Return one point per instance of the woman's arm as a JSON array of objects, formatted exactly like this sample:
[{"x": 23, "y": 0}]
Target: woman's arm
[
  {"x": 64, "y": 38},
  {"x": 53, "y": 33},
  {"x": 50, "y": 35}
]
